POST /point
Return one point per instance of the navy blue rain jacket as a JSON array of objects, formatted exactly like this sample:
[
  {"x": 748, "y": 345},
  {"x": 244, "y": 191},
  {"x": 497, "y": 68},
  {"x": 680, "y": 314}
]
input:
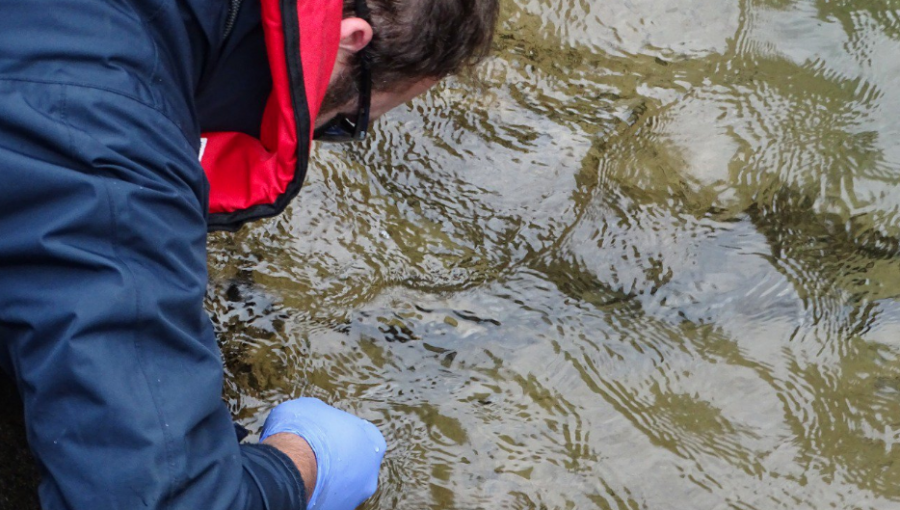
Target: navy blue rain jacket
[{"x": 103, "y": 251}]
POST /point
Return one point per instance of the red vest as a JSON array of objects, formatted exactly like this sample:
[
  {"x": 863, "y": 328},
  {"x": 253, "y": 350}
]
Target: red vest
[{"x": 253, "y": 178}]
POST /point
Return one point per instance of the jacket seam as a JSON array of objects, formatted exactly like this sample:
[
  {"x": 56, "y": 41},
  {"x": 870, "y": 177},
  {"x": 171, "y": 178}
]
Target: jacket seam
[
  {"x": 167, "y": 439},
  {"x": 64, "y": 118},
  {"x": 168, "y": 443},
  {"x": 138, "y": 100}
]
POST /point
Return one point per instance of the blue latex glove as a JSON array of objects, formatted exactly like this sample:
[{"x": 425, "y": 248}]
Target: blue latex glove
[{"x": 348, "y": 450}]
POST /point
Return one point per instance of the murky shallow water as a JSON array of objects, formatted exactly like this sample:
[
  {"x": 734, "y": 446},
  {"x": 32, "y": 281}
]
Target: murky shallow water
[{"x": 652, "y": 261}]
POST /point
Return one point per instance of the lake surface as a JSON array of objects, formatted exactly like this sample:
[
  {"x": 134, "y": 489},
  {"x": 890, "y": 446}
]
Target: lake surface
[{"x": 649, "y": 258}]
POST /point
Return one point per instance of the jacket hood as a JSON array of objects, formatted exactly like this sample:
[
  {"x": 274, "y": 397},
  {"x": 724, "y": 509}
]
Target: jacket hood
[{"x": 252, "y": 178}]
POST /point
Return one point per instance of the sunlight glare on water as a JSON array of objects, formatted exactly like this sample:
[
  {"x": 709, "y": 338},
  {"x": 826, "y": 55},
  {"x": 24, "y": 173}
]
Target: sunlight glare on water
[{"x": 648, "y": 259}]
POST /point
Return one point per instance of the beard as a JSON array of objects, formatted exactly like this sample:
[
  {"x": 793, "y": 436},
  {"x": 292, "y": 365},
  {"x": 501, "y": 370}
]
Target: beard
[{"x": 343, "y": 92}]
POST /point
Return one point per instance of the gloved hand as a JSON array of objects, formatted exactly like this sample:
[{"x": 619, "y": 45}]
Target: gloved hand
[{"x": 348, "y": 450}]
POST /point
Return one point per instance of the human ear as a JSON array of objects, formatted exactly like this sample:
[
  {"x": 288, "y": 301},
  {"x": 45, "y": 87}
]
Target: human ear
[{"x": 356, "y": 34}]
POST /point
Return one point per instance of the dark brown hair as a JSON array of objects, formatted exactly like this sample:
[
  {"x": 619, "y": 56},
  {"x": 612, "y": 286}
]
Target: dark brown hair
[{"x": 415, "y": 39}]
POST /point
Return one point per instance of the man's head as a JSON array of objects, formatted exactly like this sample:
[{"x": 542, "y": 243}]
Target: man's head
[{"x": 410, "y": 45}]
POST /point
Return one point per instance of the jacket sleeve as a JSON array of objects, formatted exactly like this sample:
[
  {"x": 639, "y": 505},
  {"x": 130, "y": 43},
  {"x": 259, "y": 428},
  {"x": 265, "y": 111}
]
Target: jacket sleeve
[{"x": 102, "y": 279}]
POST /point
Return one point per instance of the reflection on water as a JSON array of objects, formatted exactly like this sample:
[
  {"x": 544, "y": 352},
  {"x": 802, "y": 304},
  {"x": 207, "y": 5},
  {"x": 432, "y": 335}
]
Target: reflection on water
[{"x": 649, "y": 259}]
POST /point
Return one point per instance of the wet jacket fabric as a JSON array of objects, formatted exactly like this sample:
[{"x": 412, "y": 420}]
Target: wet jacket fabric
[{"x": 103, "y": 221}]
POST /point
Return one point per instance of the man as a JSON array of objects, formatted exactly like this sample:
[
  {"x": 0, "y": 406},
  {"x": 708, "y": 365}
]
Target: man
[{"x": 104, "y": 209}]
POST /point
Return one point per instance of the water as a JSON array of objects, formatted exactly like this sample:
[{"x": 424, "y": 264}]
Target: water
[{"x": 649, "y": 258}]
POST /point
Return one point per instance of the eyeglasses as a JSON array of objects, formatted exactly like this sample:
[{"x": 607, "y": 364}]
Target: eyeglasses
[{"x": 341, "y": 128}]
